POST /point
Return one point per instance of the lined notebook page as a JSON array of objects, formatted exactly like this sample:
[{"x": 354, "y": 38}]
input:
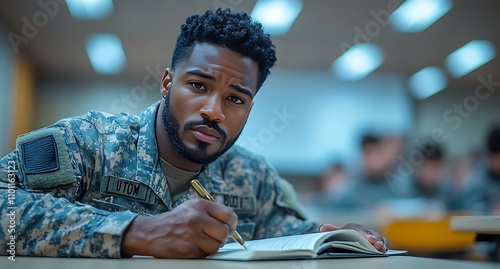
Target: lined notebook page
[{"x": 294, "y": 242}]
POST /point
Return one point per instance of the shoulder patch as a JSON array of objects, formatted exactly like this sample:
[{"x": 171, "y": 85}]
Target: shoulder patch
[
  {"x": 45, "y": 159},
  {"x": 40, "y": 155}
]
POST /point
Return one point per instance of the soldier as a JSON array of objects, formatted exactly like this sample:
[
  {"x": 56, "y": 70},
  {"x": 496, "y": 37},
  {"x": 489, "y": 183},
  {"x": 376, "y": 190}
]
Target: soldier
[{"x": 114, "y": 186}]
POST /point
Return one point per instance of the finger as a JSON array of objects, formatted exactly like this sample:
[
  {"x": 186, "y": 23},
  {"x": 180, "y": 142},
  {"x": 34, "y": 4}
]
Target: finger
[
  {"x": 385, "y": 244},
  {"x": 381, "y": 243},
  {"x": 208, "y": 245},
  {"x": 371, "y": 238},
  {"x": 378, "y": 245},
  {"x": 223, "y": 214},
  {"x": 215, "y": 229},
  {"x": 327, "y": 227},
  {"x": 223, "y": 243}
]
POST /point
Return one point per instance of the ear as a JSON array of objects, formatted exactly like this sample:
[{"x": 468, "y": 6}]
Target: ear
[{"x": 166, "y": 81}]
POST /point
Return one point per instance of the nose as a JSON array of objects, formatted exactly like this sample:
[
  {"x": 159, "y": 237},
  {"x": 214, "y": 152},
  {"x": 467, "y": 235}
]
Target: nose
[{"x": 212, "y": 109}]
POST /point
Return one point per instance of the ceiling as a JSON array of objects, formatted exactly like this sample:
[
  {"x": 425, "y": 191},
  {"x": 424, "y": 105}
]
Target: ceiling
[{"x": 148, "y": 30}]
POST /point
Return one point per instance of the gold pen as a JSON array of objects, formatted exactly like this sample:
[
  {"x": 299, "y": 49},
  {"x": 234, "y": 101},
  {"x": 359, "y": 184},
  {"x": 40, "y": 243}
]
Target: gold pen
[{"x": 205, "y": 195}]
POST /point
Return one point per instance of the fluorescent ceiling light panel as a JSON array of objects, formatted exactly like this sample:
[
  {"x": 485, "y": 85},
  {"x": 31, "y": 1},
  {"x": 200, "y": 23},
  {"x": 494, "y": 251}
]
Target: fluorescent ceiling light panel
[
  {"x": 106, "y": 54},
  {"x": 417, "y": 15},
  {"x": 90, "y": 9},
  {"x": 470, "y": 57},
  {"x": 277, "y": 16},
  {"x": 427, "y": 82},
  {"x": 358, "y": 62}
]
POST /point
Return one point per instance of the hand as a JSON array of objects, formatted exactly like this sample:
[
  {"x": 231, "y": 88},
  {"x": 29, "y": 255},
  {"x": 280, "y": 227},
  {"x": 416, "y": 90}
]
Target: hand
[
  {"x": 376, "y": 239},
  {"x": 194, "y": 229}
]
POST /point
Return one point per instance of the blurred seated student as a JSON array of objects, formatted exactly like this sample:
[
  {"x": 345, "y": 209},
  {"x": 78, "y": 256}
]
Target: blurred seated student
[
  {"x": 460, "y": 174},
  {"x": 370, "y": 187},
  {"x": 331, "y": 183},
  {"x": 431, "y": 180},
  {"x": 483, "y": 195}
]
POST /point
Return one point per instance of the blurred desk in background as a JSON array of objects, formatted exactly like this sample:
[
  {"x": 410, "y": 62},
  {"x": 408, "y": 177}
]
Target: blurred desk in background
[
  {"x": 476, "y": 224},
  {"x": 426, "y": 236},
  {"x": 486, "y": 228}
]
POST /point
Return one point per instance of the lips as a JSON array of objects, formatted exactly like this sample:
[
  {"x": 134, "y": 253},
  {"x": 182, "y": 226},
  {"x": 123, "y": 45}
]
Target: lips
[{"x": 205, "y": 134}]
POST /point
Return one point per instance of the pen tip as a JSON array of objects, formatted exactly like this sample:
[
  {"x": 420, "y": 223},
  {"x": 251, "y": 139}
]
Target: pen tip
[{"x": 245, "y": 246}]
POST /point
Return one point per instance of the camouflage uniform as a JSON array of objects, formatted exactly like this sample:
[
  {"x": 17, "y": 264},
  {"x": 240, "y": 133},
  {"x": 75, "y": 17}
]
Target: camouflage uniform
[{"x": 80, "y": 182}]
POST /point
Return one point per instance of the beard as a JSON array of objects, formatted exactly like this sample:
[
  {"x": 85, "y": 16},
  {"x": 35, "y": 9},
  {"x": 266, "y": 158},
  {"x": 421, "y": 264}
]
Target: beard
[{"x": 199, "y": 154}]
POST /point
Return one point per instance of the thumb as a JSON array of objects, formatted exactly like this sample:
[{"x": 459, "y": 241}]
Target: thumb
[{"x": 327, "y": 227}]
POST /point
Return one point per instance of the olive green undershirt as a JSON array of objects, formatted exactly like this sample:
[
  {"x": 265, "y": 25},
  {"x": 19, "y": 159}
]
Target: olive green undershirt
[{"x": 178, "y": 179}]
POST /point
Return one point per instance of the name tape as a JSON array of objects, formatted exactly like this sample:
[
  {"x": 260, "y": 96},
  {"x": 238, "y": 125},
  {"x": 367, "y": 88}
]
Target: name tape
[{"x": 240, "y": 203}]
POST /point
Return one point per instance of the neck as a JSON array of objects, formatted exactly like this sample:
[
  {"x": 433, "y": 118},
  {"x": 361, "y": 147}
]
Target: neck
[{"x": 166, "y": 149}]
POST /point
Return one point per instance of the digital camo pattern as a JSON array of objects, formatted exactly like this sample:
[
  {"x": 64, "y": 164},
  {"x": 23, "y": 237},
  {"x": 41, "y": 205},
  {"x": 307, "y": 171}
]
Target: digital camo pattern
[{"x": 114, "y": 159}]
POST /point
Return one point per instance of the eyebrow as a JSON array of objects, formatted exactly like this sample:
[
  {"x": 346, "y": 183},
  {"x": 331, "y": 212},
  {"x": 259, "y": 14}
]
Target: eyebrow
[{"x": 239, "y": 89}]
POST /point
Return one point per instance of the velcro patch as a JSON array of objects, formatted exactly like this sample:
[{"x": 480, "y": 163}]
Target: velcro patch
[
  {"x": 45, "y": 159},
  {"x": 40, "y": 155},
  {"x": 240, "y": 203}
]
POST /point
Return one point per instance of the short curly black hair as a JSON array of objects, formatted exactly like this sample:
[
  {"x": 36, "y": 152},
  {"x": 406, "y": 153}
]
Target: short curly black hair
[{"x": 234, "y": 31}]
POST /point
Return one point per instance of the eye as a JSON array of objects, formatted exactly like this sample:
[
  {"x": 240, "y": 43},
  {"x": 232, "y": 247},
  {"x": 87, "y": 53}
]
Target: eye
[
  {"x": 198, "y": 86},
  {"x": 235, "y": 100}
]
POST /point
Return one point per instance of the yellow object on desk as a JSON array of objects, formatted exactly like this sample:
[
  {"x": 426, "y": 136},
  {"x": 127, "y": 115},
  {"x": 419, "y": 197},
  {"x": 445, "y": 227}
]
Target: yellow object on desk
[
  {"x": 205, "y": 195},
  {"x": 426, "y": 235}
]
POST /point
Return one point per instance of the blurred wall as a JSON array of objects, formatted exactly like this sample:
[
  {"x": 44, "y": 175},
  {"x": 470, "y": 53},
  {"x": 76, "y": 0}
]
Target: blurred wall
[
  {"x": 6, "y": 76},
  {"x": 463, "y": 112},
  {"x": 61, "y": 98}
]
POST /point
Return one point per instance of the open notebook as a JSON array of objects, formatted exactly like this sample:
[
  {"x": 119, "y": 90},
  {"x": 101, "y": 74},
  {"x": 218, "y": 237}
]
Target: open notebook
[{"x": 334, "y": 244}]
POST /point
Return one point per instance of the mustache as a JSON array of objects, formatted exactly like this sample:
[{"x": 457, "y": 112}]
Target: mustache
[{"x": 209, "y": 124}]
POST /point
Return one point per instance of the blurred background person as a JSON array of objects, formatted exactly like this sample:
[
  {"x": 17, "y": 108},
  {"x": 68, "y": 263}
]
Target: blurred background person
[
  {"x": 483, "y": 195},
  {"x": 460, "y": 175},
  {"x": 369, "y": 186},
  {"x": 331, "y": 183},
  {"x": 432, "y": 180}
]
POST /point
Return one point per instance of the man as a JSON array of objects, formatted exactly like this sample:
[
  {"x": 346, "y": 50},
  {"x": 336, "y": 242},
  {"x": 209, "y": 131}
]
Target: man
[
  {"x": 483, "y": 194},
  {"x": 369, "y": 188},
  {"x": 431, "y": 180},
  {"x": 116, "y": 186}
]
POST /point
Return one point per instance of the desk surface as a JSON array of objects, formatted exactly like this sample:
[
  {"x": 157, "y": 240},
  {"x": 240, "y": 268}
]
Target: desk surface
[
  {"x": 477, "y": 224},
  {"x": 395, "y": 262}
]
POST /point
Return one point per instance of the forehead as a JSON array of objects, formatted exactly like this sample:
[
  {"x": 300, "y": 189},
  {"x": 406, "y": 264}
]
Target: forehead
[{"x": 213, "y": 58}]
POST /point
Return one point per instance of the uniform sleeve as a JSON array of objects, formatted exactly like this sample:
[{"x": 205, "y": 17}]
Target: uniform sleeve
[
  {"x": 280, "y": 212},
  {"x": 40, "y": 182}
]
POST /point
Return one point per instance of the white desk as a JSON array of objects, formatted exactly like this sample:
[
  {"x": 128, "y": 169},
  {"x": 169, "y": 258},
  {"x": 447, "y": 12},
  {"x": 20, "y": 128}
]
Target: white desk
[
  {"x": 487, "y": 228},
  {"x": 476, "y": 224},
  {"x": 395, "y": 262}
]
